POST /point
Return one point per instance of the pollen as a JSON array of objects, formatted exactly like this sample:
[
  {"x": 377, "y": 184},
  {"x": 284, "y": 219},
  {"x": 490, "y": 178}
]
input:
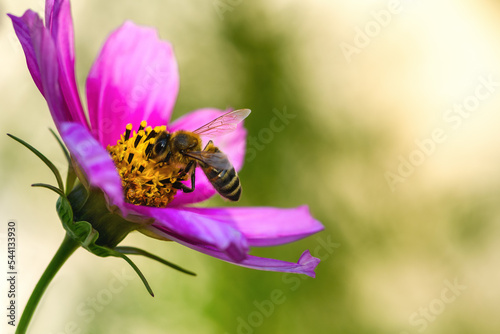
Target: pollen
[{"x": 144, "y": 180}]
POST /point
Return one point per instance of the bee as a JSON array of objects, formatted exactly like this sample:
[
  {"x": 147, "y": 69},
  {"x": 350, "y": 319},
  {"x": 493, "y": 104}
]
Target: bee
[{"x": 182, "y": 151}]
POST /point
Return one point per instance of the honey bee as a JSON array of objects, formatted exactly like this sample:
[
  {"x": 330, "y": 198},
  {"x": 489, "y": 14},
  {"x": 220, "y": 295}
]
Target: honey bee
[{"x": 182, "y": 150}]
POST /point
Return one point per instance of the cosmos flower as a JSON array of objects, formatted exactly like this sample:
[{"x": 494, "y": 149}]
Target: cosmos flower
[{"x": 135, "y": 80}]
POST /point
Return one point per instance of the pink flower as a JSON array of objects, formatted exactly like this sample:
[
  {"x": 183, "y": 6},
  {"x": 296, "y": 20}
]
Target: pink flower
[{"x": 135, "y": 78}]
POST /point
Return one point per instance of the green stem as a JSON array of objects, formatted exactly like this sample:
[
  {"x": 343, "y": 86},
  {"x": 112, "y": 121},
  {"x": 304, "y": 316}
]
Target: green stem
[{"x": 68, "y": 246}]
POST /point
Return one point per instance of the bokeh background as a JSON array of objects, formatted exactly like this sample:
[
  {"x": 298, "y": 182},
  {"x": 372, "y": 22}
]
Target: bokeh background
[{"x": 406, "y": 184}]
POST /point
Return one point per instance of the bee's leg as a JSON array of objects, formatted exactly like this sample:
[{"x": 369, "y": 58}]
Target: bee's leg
[
  {"x": 183, "y": 187},
  {"x": 186, "y": 170},
  {"x": 191, "y": 166},
  {"x": 209, "y": 144}
]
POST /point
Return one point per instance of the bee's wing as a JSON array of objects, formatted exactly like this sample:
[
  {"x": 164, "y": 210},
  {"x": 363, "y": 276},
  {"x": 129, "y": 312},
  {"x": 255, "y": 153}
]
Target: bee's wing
[
  {"x": 217, "y": 160},
  {"x": 223, "y": 124}
]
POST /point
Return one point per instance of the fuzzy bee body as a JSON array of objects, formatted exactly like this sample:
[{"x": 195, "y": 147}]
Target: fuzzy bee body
[{"x": 182, "y": 150}]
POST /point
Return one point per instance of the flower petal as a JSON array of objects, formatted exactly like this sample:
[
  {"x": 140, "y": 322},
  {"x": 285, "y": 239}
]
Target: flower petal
[
  {"x": 232, "y": 144},
  {"x": 305, "y": 265},
  {"x": 41, "y": 56},
  {"x": 134, "y": 78},
  {"x": 265, "y": 226},
  {"x": 195, "y": 228},
  {"x": 60, "y": 24},
  {"x": 24, "y": 26},
  {"x": 94, "y": 161}
]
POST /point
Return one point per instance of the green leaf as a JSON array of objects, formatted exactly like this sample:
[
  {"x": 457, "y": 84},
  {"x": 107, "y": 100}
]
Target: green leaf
[
  {"x": 63, "y": 147},
  {"x": 138, "y": 251},
  {"x": 43, "y": 158},
  {"x": 65, "y": 213},
  {"x": 81, "y": 231},
  {"x": 90, "y": 244},
  {"x": 71, "y": 177},
  {"x": 132, "y": 264},
  {"x": 51, "y": 187},
  {"x": 87, "y": 236}
]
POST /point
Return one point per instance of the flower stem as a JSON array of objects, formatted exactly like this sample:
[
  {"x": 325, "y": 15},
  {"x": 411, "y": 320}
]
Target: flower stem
[{"x": 68, "y": 246}]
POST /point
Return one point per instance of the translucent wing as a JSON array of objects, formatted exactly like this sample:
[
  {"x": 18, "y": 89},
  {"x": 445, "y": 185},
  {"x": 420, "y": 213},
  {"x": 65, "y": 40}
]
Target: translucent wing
[
  {"x": 217, "y": 160},
  {"x": 223, "y": 124}
]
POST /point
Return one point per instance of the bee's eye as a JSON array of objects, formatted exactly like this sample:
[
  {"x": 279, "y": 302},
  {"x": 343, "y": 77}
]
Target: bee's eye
[{"x": 160, "y": 146}]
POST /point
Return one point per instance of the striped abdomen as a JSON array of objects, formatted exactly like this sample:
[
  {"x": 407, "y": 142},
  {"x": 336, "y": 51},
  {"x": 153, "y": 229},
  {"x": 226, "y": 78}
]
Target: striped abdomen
[{"x": 225, "y": 181}]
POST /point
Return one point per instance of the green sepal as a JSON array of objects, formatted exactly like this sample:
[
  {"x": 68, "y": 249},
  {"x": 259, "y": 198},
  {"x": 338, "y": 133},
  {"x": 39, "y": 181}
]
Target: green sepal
[
  {"x": 50, "y": 187},
  {"x": 43, "y": 158},
  {"x": 71, "y": 177},
  {"x": 63, "y": 147},
  {"x": 87, "y": 236},
  {"x": 65, "y": 213},
  {"x": 138, "y": 251}
]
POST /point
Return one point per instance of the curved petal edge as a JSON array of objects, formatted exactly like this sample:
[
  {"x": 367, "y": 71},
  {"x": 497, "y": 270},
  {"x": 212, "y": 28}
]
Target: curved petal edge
[
  {"x": 265, "y": 226},
  {"x": 94, "y": 161},
  {"x": 195, "y": 228}
]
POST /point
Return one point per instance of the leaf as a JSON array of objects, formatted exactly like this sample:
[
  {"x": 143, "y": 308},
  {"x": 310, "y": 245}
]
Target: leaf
[
  {"x": 86, "y": 235},
  {"x": 71, "y": 177},
  {"x": 65, "y": 213},
  {"x": 43, "y": 158},
  {"x": 91, "y": 246},
  {"x": 138, "y": 251},
  {"x": 48, "y": 186},
  {"x": 63, "y": 147},
  {"x": 132, "y": 264}
]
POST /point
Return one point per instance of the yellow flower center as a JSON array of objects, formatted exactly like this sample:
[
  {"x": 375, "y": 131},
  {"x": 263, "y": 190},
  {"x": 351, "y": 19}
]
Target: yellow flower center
[{"x": 145, "y": 181}]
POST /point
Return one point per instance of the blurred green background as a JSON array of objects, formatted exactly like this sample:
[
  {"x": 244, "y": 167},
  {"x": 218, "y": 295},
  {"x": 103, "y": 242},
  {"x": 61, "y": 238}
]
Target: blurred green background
[{"x": 411, "y": 223}]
